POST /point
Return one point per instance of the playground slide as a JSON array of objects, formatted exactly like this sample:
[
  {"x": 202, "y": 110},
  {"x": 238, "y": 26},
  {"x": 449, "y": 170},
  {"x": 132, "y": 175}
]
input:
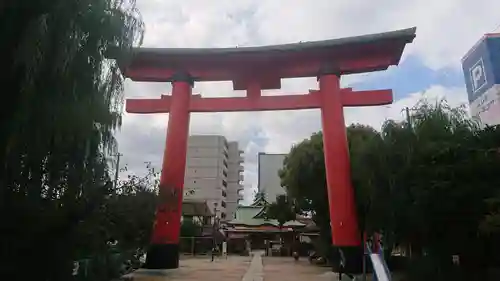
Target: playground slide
[{"x": 380, "y": 268}]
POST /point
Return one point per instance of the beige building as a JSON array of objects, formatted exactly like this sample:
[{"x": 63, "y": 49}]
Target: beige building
[
  {"x": 269, "y": 181},
  {"x": 213, "y": 173},
  {"x": 234, "y": 178}
]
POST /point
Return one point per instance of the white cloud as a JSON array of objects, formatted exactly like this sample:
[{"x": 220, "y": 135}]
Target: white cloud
[{"x": 446, "y": 30}]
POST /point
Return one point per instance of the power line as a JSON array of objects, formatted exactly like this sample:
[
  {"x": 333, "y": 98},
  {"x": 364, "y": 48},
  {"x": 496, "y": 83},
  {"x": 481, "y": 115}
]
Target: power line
[{"x": 496, "y": 28}]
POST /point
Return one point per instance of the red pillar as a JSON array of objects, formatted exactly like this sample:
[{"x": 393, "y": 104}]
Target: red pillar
[
  {"x": 164, "y": 249},
  {"x": 343, "y": 220}
]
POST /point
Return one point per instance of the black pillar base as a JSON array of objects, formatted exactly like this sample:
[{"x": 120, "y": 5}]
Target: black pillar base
[
  {"x": 353, "y": 259},
  {"x": 162, "y": 256}
]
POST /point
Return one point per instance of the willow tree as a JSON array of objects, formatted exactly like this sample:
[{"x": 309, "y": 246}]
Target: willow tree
[{"x": 64, "y": 101}]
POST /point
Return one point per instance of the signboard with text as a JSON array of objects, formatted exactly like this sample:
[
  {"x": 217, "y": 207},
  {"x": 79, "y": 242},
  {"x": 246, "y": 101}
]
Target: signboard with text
[{"x": 481, "y": 67}]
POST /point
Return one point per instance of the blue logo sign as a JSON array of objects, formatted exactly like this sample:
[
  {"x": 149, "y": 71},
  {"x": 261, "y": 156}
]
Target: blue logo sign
[
  {"x": 478, "y": 76},
  {"x": 481, "y": 67}
]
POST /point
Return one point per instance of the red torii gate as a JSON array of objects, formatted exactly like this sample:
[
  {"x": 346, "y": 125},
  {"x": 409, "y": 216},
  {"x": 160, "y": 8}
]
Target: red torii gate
[{"x": 254, "y": 69}]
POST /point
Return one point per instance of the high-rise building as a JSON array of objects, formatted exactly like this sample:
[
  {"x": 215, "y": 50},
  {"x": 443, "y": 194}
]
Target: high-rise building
[
  {"x": 269, "y": 182},
  {"x": 208, "y": 169},
  {"x": 234, "y": 178}
]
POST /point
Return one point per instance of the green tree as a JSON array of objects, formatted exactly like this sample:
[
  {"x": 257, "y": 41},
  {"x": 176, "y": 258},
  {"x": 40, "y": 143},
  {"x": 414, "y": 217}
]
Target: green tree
[
  {"x": 427, "y": 183},
  {"x": 65, "y": 101},
  {"x": 190, "y": 228},
  {"x": 304, "y": 176},
  {"x": 282, "y": 210},
  {"x": 130, "y": 211}
]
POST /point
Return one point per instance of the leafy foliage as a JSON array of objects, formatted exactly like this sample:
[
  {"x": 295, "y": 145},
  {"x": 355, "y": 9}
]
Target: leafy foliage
[
  {"x": 190, "y": 228},
  {"x": 428, "y": 183},
  {"x": 281, "y": 210},
  {"x": 57, "y": 131},
  {"x": 304, "y": 177}
]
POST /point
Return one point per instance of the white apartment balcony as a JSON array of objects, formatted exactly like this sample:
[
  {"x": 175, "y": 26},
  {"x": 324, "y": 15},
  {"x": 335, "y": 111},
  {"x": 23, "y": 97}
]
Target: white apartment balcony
[
  {"x": 241, "y": 151},
  {"x": 241, "y": 168},
  {"x": 241, "y": 197},
  {"x": 241, "y": 177}
]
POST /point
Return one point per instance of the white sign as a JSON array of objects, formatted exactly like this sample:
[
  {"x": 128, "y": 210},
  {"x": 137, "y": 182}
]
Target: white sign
[
  {"x": 487, "y": 106},
  {"x": 477, "y": 76}
]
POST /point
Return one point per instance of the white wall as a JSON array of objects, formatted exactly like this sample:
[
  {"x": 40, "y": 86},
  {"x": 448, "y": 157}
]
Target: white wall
[
  {"x": 205, "y": 162},
  {"x": 234, "y": 176},
  {"x": 206, "y": 171},
  {"x": 269, "y": 181},
  {"x": 211, "y": 160}
]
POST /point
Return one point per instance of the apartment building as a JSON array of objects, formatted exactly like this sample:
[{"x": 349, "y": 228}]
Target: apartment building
[
  {"x": 269, "y": 181},
  {"x": 234, "y": 178},
  {"x": 210, "y": 173}
]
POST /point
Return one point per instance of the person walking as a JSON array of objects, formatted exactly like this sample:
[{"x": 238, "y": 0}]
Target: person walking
[{"x": 213, "y": 252}]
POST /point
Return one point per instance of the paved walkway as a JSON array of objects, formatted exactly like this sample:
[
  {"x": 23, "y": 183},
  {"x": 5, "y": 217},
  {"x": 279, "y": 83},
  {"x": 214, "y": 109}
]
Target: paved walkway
[
  {"x": 200, "y": 269},
  {"x": 285, "y": 268},
  {"x": 237, "y": 268}
]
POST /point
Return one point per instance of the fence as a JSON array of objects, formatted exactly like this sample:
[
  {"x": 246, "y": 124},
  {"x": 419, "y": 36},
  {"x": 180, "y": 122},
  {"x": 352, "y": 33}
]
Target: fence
[
  {"x": 107, "y": 266},
  {"x": 203, "y": 245},
  {"x": 196, "y": 245}
]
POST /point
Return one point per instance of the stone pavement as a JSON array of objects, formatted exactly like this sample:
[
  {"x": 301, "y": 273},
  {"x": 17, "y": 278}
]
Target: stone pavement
[
  {"x": 238, "y": 268},
  {"x": 199, "y": 268},
  {"x": 255, "y": 270},
  {"x": 285, "y": 268}
]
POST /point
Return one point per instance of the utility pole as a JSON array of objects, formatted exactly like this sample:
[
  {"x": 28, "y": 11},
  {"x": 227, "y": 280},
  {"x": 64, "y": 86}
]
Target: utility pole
[
  {"x": 214, "y": 231},
  {"x": 117, "y": 171},
  {"x": 408, "y": 118}
]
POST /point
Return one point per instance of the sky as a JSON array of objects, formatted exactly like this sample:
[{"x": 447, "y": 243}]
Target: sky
[{"x": 430, "y": 67}]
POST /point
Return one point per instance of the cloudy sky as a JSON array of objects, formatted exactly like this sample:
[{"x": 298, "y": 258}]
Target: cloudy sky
[{"x": 446, "y": 30}]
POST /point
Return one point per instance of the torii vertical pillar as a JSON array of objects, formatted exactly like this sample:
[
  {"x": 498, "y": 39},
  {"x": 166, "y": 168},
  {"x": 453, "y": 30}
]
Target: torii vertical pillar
[
  {"x": 343, "y": 219},
  {"x": 163, "y": 252}
]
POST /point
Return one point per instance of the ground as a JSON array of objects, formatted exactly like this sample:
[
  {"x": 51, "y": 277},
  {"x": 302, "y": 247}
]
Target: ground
[
  {"x": 237, "y": 268},
  {"x": 285, "y": 268}
]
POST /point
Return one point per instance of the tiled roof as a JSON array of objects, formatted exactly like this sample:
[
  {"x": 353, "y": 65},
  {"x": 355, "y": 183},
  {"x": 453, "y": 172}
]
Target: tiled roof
[{"x": 246, "y": 215}]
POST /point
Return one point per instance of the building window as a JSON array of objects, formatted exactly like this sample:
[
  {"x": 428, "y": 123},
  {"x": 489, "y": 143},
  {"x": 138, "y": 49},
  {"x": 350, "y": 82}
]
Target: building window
[
  {"x": 206, "y": 220},
  {"x": 223, "y": 215},
  {"x": 225, "y": 163},
  {"x": 224, "y": 173},
  {"x": 223, "y": 204},
  {"x": 224, "y": 183},
  {"x": 224, "y": 193}
]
